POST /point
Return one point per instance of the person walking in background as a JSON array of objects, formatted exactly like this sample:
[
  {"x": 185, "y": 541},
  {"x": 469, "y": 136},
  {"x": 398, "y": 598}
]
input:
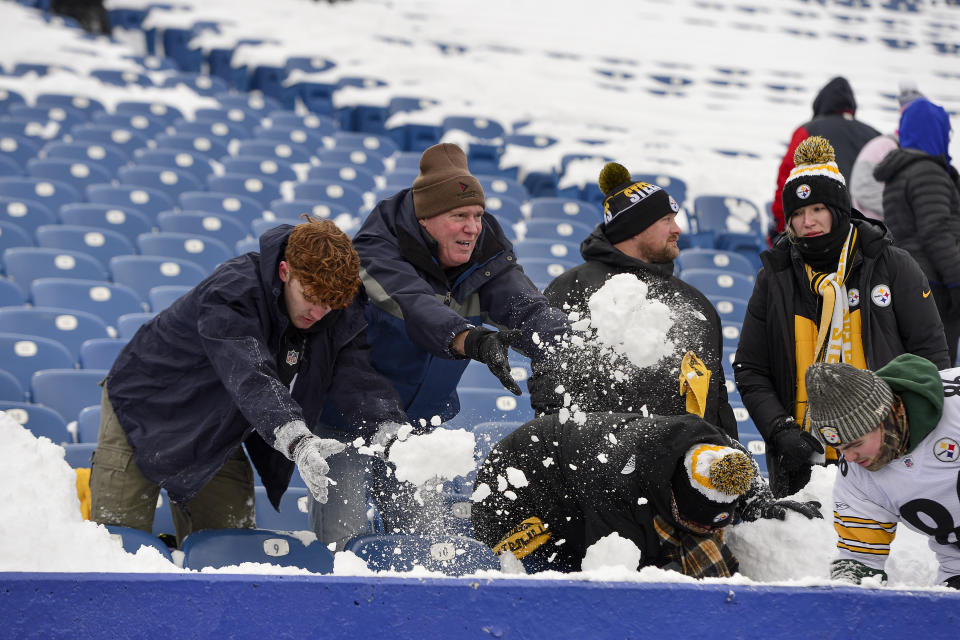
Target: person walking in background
[
  {"x": 245, "y": 360},
  {"x": 921, "y": 204},
  {"x": 866, "y": 191},
  {"x": 552, "y": 488},
  {"x": 898, "y": 431},
  {"x": 638, "y": 236},
  {"x": 834, "y": 118},
  {"x": 833, "y": 288}
]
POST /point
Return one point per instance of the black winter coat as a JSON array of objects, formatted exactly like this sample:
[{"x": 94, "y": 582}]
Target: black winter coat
[
  {"x": 201, "y": 377},
  {"x": 765, "y": 364},
  {"x": 921, "y": 205},
  {"x": 611, "y": 474},
  {"x": 696, "y": 327}
]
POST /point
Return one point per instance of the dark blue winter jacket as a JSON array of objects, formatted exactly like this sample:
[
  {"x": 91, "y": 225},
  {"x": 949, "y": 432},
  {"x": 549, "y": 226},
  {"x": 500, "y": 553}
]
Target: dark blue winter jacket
[
  {"x": 415, "y": 312},
  {"x": 201, "y": 377}
]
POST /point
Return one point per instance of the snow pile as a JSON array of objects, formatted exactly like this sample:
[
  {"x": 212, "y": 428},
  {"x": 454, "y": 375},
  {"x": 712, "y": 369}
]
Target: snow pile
[
  {"x": 444, "y": 453},
  {"x": 612, "y": 552}
]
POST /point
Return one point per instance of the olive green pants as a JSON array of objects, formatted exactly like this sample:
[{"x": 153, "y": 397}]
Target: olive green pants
[{"x": 121, "y": 495}]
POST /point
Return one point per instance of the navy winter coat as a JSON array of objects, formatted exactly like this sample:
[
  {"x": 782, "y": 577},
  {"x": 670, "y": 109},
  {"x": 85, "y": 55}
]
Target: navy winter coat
[
  {"x": 201, "y": 377},
  {"x": 415, "y": 312}
]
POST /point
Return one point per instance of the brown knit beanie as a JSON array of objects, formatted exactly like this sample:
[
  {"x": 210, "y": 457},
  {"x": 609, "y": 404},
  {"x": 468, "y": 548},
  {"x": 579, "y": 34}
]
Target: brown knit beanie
[{"x": 444, "y": 182}]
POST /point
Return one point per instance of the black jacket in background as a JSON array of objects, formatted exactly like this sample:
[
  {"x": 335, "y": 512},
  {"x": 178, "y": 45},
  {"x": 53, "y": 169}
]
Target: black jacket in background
[
  {"x": 610, "y": 474},
  {"x": 589, "y": 380}
]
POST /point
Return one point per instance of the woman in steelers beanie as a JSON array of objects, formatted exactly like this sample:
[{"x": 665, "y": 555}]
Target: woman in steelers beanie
[{"x": 833, "y": 288}]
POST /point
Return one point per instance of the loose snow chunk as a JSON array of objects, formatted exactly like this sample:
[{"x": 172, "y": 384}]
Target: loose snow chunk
[
  {"x": 501, "y": 484},
  {"x": 612, "y": 551},
  {"x": 480, "y": 492},
  {"x": 630, "y": 323},
  {"x": 510, "y": 494},
  {"x": 547, "y": 462},
  {"x": 516, "y": 477},
  {"x": 602, "y": 457},
  {"x": 445, "y": 453}
]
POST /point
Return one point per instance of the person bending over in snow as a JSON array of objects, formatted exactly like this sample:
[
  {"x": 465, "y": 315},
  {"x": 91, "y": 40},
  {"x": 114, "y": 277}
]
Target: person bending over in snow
[
  {"x": 898, "y": 430},
  {"x": 670, "y": 484}
]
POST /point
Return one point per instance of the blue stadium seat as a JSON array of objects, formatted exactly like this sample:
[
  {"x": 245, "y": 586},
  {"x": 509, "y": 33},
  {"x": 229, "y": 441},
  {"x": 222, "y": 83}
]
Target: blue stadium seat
[
  {"x": 163, "y": 296},
  {"x": 24, "y": 354},
  {"x": 224, "y": 547},
  {"x": 79, "y": 455},
  {"x": 477, "y": 375},
  {"x": 9, "y": 98},
  {"x": 200, "y": 83},
  {"x": 52, "y": 194},
  {"x": 381, "y": 145},
  {"x": 196, "y": 164},
  {"x": 219, "y": 130},
  {"x": 161, "y": 110},
  {"x": 243, "y": 117},
  {"x": 720, "y": 213},
  {"x": 406, "y": 161},
  {"x": 107, "y": 156},
  {"x": 148, "y": 201},
  {"x": 528, "y": 140},
  {"x": 26, "y": 214},
  {"x": 673, "y": 185},
  {"x": 507, "y": 210},
  {"x": 452, "y": 555},
  {"x": 549, "y": 249},
  {"x": 357, "y": 157},
  {"x": 566, "y": 208},
  {"x": 721, "y": 284},
  {"x": 503, "y": 188},
  {"x": 310, "y": 140},
  {"x": 272, "y": 169},
  {"x": 66, "y": 326},
  {"x": 222, "y": 227},
  {"x": 169, "y": 181},
  {"x": 67, "y": 391},
  {"x": 142, "y": 273},
  {"x": 401, "y": 179},
  {"x": 65, "y": 117},
  {"x": 314, "y": 122},
  {"x": 698, "y": 258},
  {"x": 292, "y": 209},
  {"x": 129, "y": 323},
  {"x": 9, "y": 167},
  {"x": 41, "y": 421},
  {"x": 99, "y": 353},
  {"x": 293, "y": 510},
  {"x": 259, "y": 227},
  {"x": 125, "y": 140},
  {"x": 203, "y": 250},
  {"x": 254, "y": 101},
  {"x": 144, "y": 124},
  {"x": 478, "y": 127},
  {"x": 97, "y": 242},
  {"x": 351, "y": 174},
  {"x": 730, "y": 309},
  {"x": 567, "y": 230},
  {"x": 206, "y": 146},
  {"x": 88, "y": 424},
  {"x": 124, "y": 220},
  {"x": 240, "y": 208},
  {"x": 263, "y": 190},
  {"x": 13, "y": 235},
  {"x": 487, "y": 405},
  {"x": 106, "y": 300},
  {"x": 10, "y": 294},
  {"x": 29, "y": 128},
  {"x": 488, "y": 434},
  {"x": 23, "y": 265},
  {"x": 19, "y": 149},
  {"x": 79, "y": 174},
  {"x": 274, "y": 150},
  {"x": 133, "y": 539},
  {"x": 88, "y": 106},
  {"x": 543, "y": 271},
  {"x": 122, "y": 77},
  {"x": 10, "y": 388},
  {"x": 335, "y": 193},
  {"x": 247, "y": 245}
]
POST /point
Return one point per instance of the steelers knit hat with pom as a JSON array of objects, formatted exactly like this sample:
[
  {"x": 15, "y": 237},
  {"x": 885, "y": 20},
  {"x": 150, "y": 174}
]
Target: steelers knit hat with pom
[
  {"x": 845, "y": 403},
  {"x": 630, "y": 207},
  {"x": 815, "y": 178},
  {"x": 444, "y": 182},
  {"x": 708, "y": 480}
]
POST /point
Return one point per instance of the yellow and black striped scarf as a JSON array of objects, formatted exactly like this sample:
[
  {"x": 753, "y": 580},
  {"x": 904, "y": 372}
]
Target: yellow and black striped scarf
[
  {"x": 698, "y": 556},
  {"x": 834, "y": 341}
]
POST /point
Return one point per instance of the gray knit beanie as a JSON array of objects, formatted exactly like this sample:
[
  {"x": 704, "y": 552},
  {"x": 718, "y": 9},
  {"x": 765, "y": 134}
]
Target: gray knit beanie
[{"x": 845, "y": 403}]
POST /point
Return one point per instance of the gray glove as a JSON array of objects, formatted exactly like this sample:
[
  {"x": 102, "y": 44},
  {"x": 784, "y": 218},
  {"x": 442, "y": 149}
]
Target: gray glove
[{"x": 310, "y": 453}]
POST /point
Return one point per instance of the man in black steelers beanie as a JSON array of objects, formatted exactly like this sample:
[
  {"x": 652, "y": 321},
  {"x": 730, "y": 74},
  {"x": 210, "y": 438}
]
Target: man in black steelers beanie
[{"x": 638, "y": 236}]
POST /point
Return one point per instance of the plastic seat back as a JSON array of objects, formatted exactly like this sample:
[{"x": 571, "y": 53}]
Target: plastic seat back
[{"x": 225, "y": 547}]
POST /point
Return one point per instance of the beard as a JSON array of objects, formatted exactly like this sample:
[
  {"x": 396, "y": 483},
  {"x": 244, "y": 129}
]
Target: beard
[{"x": 662, "y": 253}]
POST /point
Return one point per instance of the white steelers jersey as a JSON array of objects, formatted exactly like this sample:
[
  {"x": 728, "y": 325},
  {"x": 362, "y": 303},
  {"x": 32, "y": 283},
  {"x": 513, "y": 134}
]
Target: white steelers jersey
[{"x": 920, "y": 489}]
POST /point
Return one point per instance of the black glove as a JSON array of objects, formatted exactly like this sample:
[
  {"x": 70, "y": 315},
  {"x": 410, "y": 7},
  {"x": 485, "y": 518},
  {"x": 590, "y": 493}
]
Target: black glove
[
  {"x": 953, "y": 582},
  {"x": 490, "y": 348},
  {"x": 779, "y": 508},
  {"x": 794, "y": 446}
]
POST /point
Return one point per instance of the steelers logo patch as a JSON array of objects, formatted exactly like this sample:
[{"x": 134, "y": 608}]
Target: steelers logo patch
[
  {"x": 720, "y": 517},
  {"x": 804, "y": 191},
  {"x": 853, "y": 297},
  {"x": 947, "y": 450},
  {"x": 881, "y": 295},
  {"x": 830, "y": 435},
  {"x": 673, "y": 205}
]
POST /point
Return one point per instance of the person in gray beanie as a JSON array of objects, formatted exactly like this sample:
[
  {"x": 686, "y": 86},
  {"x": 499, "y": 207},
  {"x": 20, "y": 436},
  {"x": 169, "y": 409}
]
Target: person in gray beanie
[{"x": 898, "y": 430}]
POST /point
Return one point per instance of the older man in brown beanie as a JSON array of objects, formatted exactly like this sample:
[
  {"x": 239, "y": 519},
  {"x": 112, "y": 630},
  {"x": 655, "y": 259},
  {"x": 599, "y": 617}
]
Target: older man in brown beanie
[
  {"x": 437, "y": 267},
  {"x": 899, "y": 432}
]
